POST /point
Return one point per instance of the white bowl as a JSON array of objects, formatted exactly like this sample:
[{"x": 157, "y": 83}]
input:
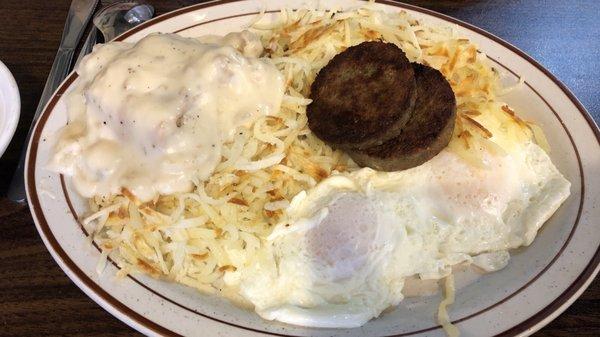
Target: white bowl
[{"x": 10, "y": 107}]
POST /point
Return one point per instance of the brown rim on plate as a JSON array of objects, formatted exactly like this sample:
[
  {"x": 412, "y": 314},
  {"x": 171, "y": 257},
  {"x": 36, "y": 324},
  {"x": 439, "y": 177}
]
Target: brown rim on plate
[{"x": 126, "y": 311}]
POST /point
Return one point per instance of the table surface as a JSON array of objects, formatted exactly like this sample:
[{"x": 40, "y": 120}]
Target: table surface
[{"x": 37, "y": 298}]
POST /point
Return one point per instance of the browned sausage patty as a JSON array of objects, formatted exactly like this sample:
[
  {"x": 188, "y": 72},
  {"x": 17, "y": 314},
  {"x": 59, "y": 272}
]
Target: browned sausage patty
[
  {"x": 363, "y": 96},
  {"x": 428, "y": 131}
]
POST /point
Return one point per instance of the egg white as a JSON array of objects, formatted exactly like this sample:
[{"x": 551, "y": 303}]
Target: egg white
[{"x": 347, "y": 245}]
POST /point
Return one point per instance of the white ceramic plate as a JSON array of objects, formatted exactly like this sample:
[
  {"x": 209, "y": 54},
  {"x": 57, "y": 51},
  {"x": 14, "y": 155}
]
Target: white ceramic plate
[
  {"x": 538, "y": 284},
  {"x": 10, "y": 107}
]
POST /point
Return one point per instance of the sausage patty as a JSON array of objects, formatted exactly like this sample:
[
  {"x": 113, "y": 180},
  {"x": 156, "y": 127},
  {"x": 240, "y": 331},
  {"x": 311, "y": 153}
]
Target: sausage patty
[
  {"x": 363, "y": 96},
  {"x": 428, "y": 131}
]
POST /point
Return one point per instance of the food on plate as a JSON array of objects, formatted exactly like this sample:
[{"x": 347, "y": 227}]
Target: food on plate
[
  {"x": 347, "y": 245},
  {"x": 272, "y": 216},
  {"x": 427, "y": 132},
  {"x": 379, "y": 79},
  {"x": 151, "y": 117}
]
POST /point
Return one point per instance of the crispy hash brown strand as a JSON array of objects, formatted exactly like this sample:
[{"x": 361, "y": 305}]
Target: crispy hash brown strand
[
  {"x": 428, "y": 131},
  {"x": 363, "y": 97}
]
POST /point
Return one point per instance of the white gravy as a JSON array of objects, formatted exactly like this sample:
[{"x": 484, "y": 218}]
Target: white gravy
[{"x": 152, "y": 116}]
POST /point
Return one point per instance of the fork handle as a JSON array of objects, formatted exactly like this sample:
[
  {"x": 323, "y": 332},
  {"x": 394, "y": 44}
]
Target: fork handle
[{"x": 60, "y": 69}]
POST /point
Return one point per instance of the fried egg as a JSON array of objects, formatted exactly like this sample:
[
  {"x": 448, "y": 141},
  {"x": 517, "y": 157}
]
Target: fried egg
[{"x": 346, "y": 247}]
